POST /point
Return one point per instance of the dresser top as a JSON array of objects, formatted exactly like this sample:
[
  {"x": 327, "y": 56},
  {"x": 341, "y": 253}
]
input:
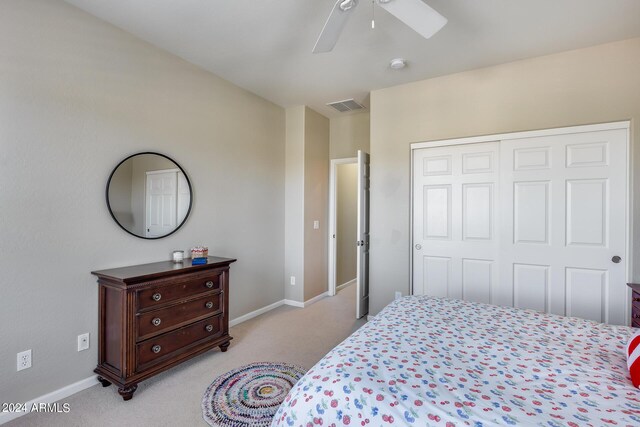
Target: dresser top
[
  {"x": 135, "y": 273},
  {"x": 634, "y": 286}
]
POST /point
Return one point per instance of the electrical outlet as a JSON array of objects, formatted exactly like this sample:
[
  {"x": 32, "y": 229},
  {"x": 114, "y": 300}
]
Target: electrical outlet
[
  {"x": 316, "y": 225},
  {"x": 83, "y": 341},
  {"x": 292, "y": 280},
  {"x": 24, "y": 360},
  {"x": 398, "y": 295}
]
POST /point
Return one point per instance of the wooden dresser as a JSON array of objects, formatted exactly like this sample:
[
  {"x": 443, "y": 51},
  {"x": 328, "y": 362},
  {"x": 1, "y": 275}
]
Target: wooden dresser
[
  {"x": 635, "y": 304},
  {"x": 155, "y": 316}
]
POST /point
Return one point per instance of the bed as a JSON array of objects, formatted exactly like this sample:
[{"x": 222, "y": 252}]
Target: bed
[{"x": 435, "y": 361}]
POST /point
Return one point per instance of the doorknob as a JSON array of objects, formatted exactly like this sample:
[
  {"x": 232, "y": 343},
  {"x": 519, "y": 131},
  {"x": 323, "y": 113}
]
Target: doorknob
[
  {"x": 418, "y": 246},
  {"x": 616, "y": 259}
]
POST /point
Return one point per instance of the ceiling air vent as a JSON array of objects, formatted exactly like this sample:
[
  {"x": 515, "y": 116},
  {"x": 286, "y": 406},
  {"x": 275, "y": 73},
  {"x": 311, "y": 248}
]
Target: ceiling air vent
[{"x": 346, "y": 105}]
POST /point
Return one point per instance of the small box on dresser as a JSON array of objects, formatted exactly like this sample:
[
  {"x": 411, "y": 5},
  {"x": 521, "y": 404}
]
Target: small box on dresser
[
  {"x": 635, "y": 304},
  {"x": 155, "y": 316}
]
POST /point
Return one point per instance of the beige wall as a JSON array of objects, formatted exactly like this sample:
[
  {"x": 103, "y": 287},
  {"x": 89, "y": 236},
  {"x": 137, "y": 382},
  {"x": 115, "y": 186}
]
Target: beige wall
[
  {"x": 346, "y": 222},
  {"x": 592, "y": 85},
  {"x": 76, "y": 97},
  {"x": 316, "y": 194},
  {"x": 348, "y": 134},
  {"x": 294, "y": 204}
]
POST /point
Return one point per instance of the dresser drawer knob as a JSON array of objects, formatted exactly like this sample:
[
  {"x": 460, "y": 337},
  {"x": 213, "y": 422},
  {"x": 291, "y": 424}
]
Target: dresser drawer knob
[
  {"x": 636, "y": 299},
  {"x": 156, "y": 349},
  {"x": 156, "y": 321},
  {"x": 209, "y": 304},
  {"x": 636, "y": 316},
  {"x": 157, "y": 296},
  {"x": 209, "y": 284},
  {"x": 209, "y": 328}
]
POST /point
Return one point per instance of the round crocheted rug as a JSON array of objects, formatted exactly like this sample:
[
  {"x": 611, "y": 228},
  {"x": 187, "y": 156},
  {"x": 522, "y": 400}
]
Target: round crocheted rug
[{"x": 249, "y": 395}]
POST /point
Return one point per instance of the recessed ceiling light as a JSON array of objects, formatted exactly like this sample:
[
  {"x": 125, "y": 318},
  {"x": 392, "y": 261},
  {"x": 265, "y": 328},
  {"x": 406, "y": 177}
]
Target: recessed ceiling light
[{"x": 398, "y": 63}]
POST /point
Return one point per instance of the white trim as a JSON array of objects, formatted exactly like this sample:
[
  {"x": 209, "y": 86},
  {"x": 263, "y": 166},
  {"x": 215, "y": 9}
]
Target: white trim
[
  {"x": 345, "y": 284},
  {"x": 255, "y": 313},
  {"x": 308, "y": 302},
  {"x": 411, "y": 160},
  {"x": 524, "y": 134},
  {"x": 294, "y": 303},
  {"x": 315, "y": 299},
  {"x": 629, "y": 224},
  {"x": 333, "y": 194},
  {"x": 52, "y": 397}
]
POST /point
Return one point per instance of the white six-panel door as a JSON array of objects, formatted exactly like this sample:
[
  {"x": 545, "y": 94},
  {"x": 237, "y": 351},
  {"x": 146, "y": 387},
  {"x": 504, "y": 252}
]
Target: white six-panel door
[
  {"x": 456, "y": 244},
  {"x": 161, "y": 202},
  {"x": 532, "y": 222},
  {"x": 564, "y": 200}
]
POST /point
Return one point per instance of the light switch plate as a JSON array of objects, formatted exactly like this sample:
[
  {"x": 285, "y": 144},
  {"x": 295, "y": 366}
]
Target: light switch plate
[
  {"x": 83, "y": 342},
  {"x": 316, "y": 225}
]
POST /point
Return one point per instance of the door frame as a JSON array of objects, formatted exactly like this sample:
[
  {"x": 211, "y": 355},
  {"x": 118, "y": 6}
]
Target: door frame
[
  {"x": 625, "y": 125},
  {"x": 333, "y": 194}
]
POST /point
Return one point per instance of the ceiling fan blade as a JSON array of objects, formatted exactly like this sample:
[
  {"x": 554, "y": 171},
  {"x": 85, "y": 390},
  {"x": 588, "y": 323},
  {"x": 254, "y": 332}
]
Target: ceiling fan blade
[
  {"x": 334, "y": 25},
  {"x": 416, "y": 14}
]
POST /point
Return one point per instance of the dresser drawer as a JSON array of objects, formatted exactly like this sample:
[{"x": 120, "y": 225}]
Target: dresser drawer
[
  {"x": 166, "y": 346},
  {"x": 169, "y": 291},
  {"x": 155, "y": 322}
]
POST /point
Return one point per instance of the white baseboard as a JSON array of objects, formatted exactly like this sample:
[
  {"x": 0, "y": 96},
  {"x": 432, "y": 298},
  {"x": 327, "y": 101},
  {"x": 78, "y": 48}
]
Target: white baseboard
[
  {"x": 294, "y": 303},
  {"x": 345, "y": 284},
  {"x": 369, "y": 317},
  {"x": 307, "y": 303},
  {"x": 52, "y": 397},
  {"x": 255, "y": 313}
]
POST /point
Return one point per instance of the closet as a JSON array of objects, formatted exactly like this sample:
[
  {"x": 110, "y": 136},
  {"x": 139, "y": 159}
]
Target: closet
[{"x": 533, "y": 220}]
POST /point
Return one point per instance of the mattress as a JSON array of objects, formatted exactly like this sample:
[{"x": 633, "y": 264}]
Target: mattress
[{"x": 435, "y": 361}]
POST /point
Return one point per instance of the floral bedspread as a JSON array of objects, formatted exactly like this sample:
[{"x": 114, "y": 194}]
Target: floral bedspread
[{"x": 431, "y": 361}]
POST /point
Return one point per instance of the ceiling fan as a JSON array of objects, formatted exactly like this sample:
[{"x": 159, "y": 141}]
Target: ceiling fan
[{"x": 416, "y": 14}]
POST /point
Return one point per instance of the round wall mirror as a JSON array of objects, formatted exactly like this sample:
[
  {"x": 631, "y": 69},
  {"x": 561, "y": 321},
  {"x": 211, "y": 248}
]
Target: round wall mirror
[{"x": 149, "y": 195}]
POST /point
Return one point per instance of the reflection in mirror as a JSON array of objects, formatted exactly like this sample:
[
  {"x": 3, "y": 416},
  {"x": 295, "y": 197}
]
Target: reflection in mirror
[{"x": 149, "y": 195}]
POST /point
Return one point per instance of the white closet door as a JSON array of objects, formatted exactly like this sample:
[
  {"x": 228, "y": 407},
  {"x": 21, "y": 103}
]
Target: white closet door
[
  {"x": 564, "y": 219},
  {"x": 536, "y": 222},
  {"x": 455, "y": 214}
]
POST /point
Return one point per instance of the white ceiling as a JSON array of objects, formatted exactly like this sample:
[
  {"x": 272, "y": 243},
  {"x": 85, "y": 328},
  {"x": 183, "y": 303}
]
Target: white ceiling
[{"x": 265, "y": 46}]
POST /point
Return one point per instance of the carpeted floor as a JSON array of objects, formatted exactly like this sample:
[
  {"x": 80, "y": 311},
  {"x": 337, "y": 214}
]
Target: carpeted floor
[{"x": 286, "y": 334}]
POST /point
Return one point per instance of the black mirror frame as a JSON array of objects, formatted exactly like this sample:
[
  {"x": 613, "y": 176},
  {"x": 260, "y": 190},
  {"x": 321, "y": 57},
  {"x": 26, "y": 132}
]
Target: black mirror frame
[{"x": 185, "y": 177}]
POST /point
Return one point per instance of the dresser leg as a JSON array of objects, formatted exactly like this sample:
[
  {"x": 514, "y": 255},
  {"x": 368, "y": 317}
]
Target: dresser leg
[
  {"x": 127, "y": 392},
  {"x": 224, "y": 346},
  {"x": 104, "y": 382}
]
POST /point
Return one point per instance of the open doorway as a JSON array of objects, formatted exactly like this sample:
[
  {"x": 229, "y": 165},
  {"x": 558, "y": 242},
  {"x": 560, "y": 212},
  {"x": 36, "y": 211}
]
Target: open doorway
[{"x": 349, "y": 229}]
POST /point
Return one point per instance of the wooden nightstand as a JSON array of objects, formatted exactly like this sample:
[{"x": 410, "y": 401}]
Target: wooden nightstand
[{"x": 635, "y": 304}]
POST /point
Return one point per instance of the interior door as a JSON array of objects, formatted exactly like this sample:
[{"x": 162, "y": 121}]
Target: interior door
[
  {"x": 362, "y": 259},
  {"x": 565, "y": 210},
  {"x": 161, "y": 205},
  {"x": 455, "y": 252}
]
